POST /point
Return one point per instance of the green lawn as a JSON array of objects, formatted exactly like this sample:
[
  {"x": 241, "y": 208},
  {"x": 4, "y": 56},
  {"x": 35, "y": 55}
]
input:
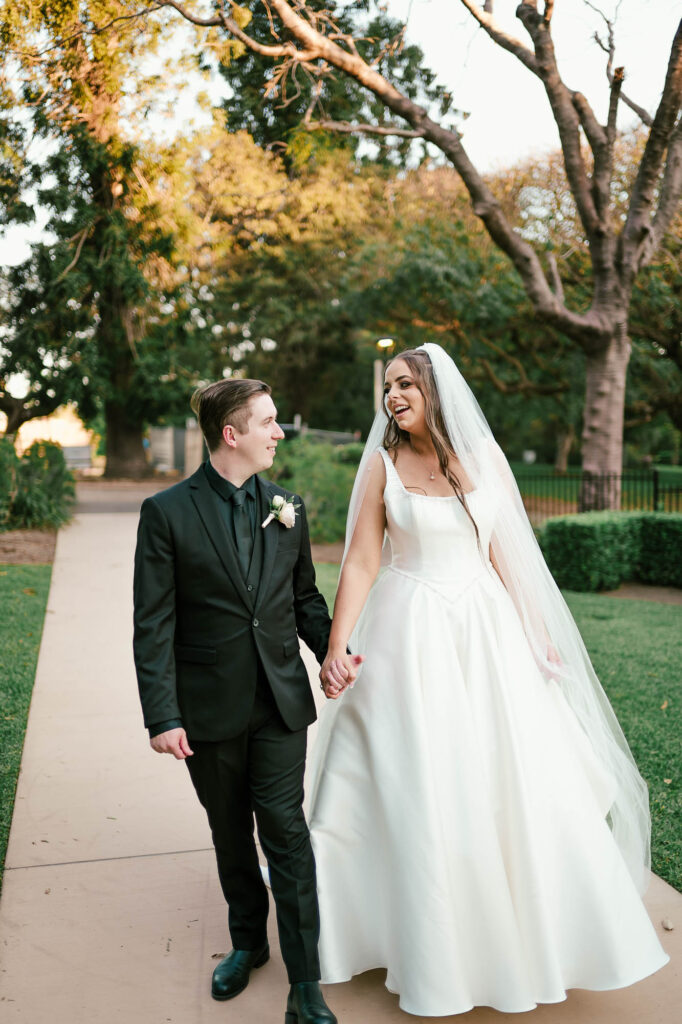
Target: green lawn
[
  {"x": 23, "y": 597},
  {"x": 636, "y": 648}
]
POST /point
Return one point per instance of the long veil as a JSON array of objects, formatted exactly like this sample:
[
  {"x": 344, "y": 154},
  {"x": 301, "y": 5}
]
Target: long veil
[{"x": 547, "y": 621}]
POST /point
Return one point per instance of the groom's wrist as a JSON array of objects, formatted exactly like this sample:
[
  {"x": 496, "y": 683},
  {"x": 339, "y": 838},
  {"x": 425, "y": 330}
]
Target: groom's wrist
[{"x": 159, "y": 727}]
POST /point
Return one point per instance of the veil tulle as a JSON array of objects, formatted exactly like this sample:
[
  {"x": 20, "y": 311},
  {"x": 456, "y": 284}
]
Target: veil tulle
[{"x": 547, "y": 621}]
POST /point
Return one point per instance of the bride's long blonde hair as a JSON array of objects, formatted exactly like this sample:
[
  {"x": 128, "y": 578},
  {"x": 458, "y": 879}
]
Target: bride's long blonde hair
[{"x": 422, "y": 371}]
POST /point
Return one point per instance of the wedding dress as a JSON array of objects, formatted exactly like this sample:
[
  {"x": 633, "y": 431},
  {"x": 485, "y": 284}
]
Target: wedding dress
[{"x": 457, "y": 812}]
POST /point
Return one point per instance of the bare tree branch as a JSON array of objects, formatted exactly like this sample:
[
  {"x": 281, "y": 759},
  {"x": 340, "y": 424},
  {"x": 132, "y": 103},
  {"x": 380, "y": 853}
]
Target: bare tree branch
[
  {"x": 363, "y": 129},
  {"x": 67, "y": 270},
  {"x": 565, "y": 115},
  {"x": 508, "y": 42},
  {"x": 555, "y": 276},
  {"x": 669, "y": 197},
  {"x": 610, "y": 50},
  {"x": 636, "y": 239}
]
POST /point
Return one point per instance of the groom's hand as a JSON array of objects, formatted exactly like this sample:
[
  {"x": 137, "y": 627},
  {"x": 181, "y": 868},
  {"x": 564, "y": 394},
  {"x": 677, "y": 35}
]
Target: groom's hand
[
  {"x": 172, "y": 742},
  {"x": 339, "y": 672}
]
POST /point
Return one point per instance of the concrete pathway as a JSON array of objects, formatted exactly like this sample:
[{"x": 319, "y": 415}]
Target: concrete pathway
[{"x": 111, "y": 909}]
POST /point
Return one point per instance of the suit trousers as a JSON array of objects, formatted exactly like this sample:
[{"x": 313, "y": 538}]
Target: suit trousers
[{"x": 260, "y": 772}]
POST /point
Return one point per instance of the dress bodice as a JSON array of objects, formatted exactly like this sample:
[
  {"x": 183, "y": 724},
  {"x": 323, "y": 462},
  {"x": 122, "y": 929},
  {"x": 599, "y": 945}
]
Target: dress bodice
[{"x": 433, "y": 538}]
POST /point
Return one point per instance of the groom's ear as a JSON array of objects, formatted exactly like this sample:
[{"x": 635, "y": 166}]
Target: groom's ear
[{"x": 229, "y": 436}]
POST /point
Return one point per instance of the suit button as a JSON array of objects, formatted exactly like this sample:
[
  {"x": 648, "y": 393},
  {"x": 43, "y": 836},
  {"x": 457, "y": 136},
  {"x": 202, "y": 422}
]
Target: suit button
[
  {"x": 250, "y": 587},
  {"x": 255, "y": 622}
]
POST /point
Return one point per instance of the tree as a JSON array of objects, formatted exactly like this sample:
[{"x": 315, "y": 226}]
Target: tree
[
  {"x": 656, "y": 326},
  {"x": 101, "y": 312},
  {"x": 274, "y": 264},
  {"x": 276, "y": 117},
  {"x": 619, "y": 249}
]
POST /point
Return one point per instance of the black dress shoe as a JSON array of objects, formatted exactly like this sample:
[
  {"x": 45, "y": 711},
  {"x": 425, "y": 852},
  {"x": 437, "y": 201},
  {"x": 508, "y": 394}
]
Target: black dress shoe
[
  {"x": 306, "y": 1005},
  {"x": 231, "y": 976}
]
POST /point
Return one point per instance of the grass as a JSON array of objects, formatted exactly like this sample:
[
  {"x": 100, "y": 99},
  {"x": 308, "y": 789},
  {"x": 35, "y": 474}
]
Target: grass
[
  {"x": 636, "y": 649},
  {"x": 327, "y": 578},
  {"x": 23, "y": 597}
]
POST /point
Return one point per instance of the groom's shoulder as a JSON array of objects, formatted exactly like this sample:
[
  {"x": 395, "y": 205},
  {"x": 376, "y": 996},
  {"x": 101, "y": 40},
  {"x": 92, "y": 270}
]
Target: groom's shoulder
[
  {"x": 175, "y": 495},
  {"x": 272, "y": 488}
]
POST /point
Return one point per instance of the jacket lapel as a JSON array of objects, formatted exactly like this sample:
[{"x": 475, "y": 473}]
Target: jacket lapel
[
  {"x": 270, "y": 538},
  {"x": 219, "y": 535}
]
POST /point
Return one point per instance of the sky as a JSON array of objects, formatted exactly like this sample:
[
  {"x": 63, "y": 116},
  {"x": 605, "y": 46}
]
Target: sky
[
  {"x": 509, "y": 113},
  {"x": 509, "y": 116}
]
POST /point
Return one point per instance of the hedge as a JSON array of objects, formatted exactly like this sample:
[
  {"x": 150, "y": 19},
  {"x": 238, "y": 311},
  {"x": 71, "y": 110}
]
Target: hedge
[
  {"x": 600, "y": 550},
  {"x": 37, "y": 491}
]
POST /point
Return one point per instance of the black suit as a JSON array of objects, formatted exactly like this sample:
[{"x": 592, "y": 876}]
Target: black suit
[{"x": 218, "y": 652}]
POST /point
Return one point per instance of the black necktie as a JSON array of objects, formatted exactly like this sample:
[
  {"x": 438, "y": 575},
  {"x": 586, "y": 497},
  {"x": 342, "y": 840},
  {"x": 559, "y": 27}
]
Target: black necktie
[{"x": 242, "y": 530}]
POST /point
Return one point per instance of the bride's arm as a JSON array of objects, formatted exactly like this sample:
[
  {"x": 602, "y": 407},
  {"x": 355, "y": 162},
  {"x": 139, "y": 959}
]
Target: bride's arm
[{"x": 357, "y": 576}]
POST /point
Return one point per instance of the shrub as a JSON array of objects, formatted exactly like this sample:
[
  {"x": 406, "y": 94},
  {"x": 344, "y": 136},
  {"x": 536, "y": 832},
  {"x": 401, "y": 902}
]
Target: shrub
[
  {"x": 45, "y": 489},
  {"x": 8, "y": 479},
  {"x": 323, "y": 475},
  {"x": 660, "y": 559},
  {"x": 599, "y": 550}
]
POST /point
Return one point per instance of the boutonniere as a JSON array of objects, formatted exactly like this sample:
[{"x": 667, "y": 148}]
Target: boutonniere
[{"x": 283, "y": 511}]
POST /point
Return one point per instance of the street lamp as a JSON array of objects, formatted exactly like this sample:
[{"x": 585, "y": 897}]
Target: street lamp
[{"x": 385, "y": 346}]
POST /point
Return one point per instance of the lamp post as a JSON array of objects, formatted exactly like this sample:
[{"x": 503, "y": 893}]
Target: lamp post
[{"x": 385, "y": 346}]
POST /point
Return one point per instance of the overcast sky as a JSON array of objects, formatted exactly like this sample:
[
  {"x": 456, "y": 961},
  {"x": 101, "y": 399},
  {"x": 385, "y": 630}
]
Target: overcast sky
[
  {"x": 510, "y": 117},
  {"x": 509, "y": 113}
]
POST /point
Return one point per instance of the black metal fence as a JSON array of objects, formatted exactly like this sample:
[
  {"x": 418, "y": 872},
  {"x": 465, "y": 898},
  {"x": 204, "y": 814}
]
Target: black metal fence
[{"x": 548, "y": 494}]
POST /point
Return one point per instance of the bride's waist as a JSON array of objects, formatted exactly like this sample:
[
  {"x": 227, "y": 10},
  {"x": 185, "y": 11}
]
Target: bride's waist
[{"x": 449, "y": 585}]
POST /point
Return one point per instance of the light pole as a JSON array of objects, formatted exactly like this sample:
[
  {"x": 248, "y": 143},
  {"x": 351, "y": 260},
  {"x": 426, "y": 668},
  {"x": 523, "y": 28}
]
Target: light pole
[{"x": 385, "y": 346}]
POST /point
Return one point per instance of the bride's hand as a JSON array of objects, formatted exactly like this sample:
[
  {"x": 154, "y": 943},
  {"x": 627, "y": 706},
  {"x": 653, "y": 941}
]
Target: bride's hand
[{"x": 338, "y": 672}]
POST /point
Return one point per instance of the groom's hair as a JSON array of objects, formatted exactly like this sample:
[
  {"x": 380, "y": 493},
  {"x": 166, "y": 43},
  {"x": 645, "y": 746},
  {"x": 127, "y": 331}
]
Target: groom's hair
[{"x": 225, "y": 401}]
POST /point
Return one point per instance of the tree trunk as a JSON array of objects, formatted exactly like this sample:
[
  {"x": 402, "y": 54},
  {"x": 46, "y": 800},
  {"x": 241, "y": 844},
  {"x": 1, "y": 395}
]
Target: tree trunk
[
  {"x": 125, "y": 451},
  {"x": 564, "y": 444},
  {"x": 603, "y": 424}
]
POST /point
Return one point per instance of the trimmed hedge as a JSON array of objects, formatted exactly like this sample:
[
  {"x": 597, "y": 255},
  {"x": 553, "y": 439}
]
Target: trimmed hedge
[
  {"x": 37, "y": 491},
  {"x": 600, "y": 550}
]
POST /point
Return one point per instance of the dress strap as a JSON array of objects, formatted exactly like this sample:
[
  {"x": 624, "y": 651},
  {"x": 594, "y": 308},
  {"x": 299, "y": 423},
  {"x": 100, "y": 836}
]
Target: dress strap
[{"x": 391, "y": 471}]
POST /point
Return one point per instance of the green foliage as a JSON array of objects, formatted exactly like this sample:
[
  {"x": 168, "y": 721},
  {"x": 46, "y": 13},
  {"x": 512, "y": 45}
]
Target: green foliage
[
  {"x": 44, "y": 489},
  {"x": 274, "y": 116},
  {"x": 660, "y": 558},
  {"x": 323, "y": 475},
  {"x": 23, "y": 597},
  {"x": 8, "y": 479},
  {"x": 101, "y": 313},
  {"x": 599, "y": 550}
]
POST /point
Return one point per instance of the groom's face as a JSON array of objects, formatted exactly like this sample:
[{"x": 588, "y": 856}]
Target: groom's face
[{"x": 259, "y": 444}]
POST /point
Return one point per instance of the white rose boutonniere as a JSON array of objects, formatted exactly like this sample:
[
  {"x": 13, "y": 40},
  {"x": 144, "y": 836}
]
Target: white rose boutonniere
[{"x": 283, "y": 511}]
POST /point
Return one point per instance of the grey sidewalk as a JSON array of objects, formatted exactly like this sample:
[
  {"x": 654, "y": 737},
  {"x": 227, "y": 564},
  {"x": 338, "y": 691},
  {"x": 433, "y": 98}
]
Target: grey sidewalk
[{"x": 111, "y": 909}]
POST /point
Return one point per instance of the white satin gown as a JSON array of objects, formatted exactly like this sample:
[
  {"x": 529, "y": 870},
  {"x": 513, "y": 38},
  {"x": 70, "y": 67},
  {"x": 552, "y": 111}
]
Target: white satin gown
[{"x": 456, "y": 811}]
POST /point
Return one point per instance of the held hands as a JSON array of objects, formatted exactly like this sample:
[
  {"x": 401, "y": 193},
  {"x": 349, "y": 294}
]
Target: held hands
[
  {"x": 172, "y": 742},
  {"x": 338, "y": 672}
]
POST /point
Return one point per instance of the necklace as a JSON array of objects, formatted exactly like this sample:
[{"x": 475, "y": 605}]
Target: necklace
[{"x": 432, "y": 473}]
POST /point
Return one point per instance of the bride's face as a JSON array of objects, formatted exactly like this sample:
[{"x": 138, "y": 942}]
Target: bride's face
[{"x": 404, "y": 401}]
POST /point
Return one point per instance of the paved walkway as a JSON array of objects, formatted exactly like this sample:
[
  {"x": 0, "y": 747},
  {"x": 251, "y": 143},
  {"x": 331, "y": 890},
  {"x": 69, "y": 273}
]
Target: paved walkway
[{"x": 111, "y": 909}]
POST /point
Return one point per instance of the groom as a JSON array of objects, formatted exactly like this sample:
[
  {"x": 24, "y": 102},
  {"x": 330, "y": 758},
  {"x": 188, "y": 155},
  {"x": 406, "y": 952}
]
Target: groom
[{"x": 219, "y": 600}]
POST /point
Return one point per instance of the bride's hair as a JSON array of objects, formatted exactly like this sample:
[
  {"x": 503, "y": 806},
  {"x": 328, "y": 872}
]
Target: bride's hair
[{"x": 422, "y": 371}]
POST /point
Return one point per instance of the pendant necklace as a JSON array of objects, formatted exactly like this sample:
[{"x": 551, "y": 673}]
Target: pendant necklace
[{"x": 432, "y": 474}]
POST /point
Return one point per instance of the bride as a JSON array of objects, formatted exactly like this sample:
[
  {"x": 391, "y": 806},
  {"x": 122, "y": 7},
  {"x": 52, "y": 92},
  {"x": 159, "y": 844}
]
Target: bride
[{"x": 480, "y": 828}]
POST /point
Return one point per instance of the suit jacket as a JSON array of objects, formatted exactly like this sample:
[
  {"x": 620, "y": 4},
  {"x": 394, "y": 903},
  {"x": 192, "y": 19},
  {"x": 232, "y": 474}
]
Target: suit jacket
[{"x": 201, "y": 630}]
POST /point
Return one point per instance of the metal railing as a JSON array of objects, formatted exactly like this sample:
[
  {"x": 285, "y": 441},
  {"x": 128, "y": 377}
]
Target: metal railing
[{"x": 549, "y": 494}]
